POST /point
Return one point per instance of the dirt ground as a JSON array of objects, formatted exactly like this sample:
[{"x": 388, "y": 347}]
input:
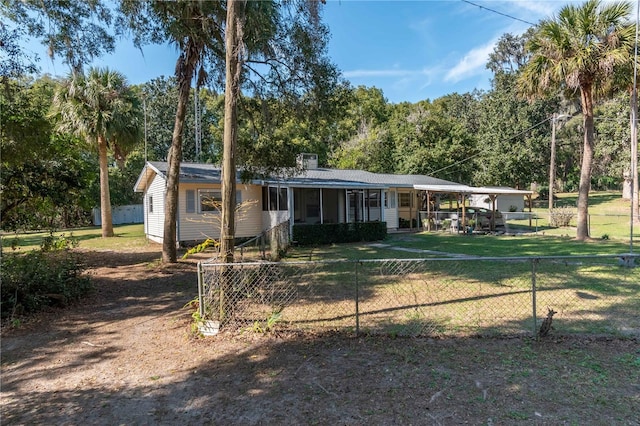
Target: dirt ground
[{"x": 126, "y": 355}]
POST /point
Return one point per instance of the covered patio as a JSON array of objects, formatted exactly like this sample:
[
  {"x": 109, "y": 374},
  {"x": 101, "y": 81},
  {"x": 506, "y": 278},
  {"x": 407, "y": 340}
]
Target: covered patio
[{"x": 431, "y": 196}]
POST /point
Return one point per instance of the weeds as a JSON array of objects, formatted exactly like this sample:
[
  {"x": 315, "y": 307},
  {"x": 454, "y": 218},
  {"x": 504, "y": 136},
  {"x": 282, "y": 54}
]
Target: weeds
[
  {"x": 268, "y": 325},
  {"x": 35, "y": 280}
]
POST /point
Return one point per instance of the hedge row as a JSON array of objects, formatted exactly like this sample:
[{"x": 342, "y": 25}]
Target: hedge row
[{"x": 329, "y": 233}]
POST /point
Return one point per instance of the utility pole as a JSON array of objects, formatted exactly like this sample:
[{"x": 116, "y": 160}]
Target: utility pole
[
  {"x": 552, "y": 165},
  {"x": 634, "y": 138}
]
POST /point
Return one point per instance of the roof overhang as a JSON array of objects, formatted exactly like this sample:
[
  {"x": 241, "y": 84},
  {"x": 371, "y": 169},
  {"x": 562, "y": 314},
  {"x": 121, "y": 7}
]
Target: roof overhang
[
  {"x": 465, "y": 189},
  {"x": 326, "y": 184},
  {"x": 146, "y": 176}
]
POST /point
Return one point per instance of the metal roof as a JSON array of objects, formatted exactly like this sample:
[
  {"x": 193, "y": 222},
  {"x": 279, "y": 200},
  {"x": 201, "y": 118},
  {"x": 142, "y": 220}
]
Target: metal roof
[
  {"x": 324, "y": 178},
  {"x": 320, "y": 177},
  {"x": 465, "y": 189}
]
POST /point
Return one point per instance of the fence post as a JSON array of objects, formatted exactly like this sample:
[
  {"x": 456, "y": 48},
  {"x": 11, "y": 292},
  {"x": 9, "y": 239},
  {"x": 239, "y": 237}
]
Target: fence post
[
  {"x": 200, "y": 291},
  {"x": 357, "y": 301},
  {"x": 534, "y": 263}
]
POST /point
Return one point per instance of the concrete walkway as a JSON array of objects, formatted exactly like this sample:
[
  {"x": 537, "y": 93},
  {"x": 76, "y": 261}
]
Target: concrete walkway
[{"x": 419, "y": 251}]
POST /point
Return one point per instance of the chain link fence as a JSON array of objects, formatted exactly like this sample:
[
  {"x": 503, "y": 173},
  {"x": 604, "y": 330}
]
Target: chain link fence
[{"x": 427, "y": 297}]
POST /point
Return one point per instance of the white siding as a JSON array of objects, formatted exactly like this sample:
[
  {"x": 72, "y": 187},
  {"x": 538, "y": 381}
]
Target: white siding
[
  {"x": 249, "y": 222},
  {"x": 200, "y": 226},
  {"x": 503, "y": 202},
  {"x": 391, "y": 217},
  {"x": 273, "y": 218},
  {"x": 154, "y": 221}
]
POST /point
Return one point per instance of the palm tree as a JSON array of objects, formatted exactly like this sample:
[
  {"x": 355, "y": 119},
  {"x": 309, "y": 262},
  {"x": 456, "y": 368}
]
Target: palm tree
[
  {"x": 579, "y": 51},
  {"x": 103, "y": 109},
  {"x": 195, "y": 29}
]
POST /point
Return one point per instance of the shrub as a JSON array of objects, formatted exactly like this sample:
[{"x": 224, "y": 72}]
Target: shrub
[
  {"x": 35, "y": 280},
  {"x": 60, "y": 242},
  {"x": 543, "y": 193},
  {"x": 561, "y": 216},
  {"x": 329, "y": 233}
]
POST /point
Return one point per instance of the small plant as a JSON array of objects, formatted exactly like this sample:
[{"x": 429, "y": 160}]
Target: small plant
[
  {"x": 60, "y": 242},
  {"x": 195, "y": 315},
  {"x": 15, "y": 243},
  {"x": 561, "y": 217},
  {"x": 513, "y": 209},
  {"x": 201, "y": 247},
  {"x": 268, "y": 325},
  {"x": 605, "y": 237}
]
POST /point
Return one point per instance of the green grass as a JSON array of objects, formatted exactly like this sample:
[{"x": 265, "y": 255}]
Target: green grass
[
  {"x": 395, "y": 246},
  {"x": 608, "y": 211},
  {"x": 126, "y": 237},
  {"x": 609, "y": 217}
]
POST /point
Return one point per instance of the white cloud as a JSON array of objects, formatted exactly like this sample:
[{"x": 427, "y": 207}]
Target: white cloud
[{"x": 473, "y": 63}]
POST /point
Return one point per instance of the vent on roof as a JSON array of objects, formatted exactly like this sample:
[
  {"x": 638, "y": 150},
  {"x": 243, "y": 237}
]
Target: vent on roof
[{"x": 308, "y": 161}]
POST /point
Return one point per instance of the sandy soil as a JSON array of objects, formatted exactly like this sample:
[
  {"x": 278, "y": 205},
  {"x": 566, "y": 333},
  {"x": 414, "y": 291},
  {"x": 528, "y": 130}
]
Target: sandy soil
[{"x": 126, "y": 355}]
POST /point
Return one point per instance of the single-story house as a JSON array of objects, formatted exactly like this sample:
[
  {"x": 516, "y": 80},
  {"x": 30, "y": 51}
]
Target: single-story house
[{"x": 313, "y": 196}]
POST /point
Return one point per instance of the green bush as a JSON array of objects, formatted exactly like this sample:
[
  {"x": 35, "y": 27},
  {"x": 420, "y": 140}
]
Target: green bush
[
  {"x": 561, "y": 217},
  {"x": 35, "y": 280},
  {"x": 329, "y": 233}
]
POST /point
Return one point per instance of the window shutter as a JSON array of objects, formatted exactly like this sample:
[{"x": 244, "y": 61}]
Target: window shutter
[{"x": 191, "y": 201}]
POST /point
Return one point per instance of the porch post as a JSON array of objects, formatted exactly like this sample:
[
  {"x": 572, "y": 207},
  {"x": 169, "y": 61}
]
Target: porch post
[
  {"x": 346, "y": 206},
  {"x": 321, "y": 207},
  {"x": 291, "y": 211},
  {"x": 493, "y": 198},
  {"x": 428, "y": 211}
]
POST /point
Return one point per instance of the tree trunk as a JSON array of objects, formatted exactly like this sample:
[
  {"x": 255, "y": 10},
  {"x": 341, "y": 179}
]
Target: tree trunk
[
  {"x": 184, "y": 73},
  {"x": 585, "y": 169},
  {"x": 105, "y": 198},
  {"x": 233, "y": 44}
]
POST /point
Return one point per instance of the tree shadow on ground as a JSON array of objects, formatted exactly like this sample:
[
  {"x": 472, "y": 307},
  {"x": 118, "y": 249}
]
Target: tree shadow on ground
[
  {"x": 332, "y": 378},
  {"x": 125, "y": 357}
]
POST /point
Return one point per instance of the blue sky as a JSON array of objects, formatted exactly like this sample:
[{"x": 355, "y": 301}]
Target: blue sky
[{"x": 412, "y": 50}]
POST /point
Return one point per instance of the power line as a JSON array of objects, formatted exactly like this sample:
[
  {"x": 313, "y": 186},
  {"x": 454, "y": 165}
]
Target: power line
[
  {"x": 499, "y": 13},
  {"x": 487, "y": 148}
]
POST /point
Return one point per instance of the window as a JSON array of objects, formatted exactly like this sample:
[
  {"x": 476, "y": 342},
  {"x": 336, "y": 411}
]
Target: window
[
  {"x": 283, "y": 201},
  {"x": 274, "y": 198},
  {"x": 390, "y": 199},
  {"x": 373, "y": 199},
  {"x": 210, "y": 201},
  {"x": 150, "y": 203},
  {"x": 404, "y": 199},
  {"x": 191, "y": 201}
]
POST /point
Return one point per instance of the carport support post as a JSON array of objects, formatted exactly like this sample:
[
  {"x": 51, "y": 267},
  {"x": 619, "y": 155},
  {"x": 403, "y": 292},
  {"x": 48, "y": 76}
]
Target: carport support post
[
  {"x": 357, "y": 300},
  {"x": 534, "y": 263},
  {"x": 493, "y": 198}
]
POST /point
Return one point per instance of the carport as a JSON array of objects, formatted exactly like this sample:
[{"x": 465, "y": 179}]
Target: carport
[{"x": 460, "y": 192}]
